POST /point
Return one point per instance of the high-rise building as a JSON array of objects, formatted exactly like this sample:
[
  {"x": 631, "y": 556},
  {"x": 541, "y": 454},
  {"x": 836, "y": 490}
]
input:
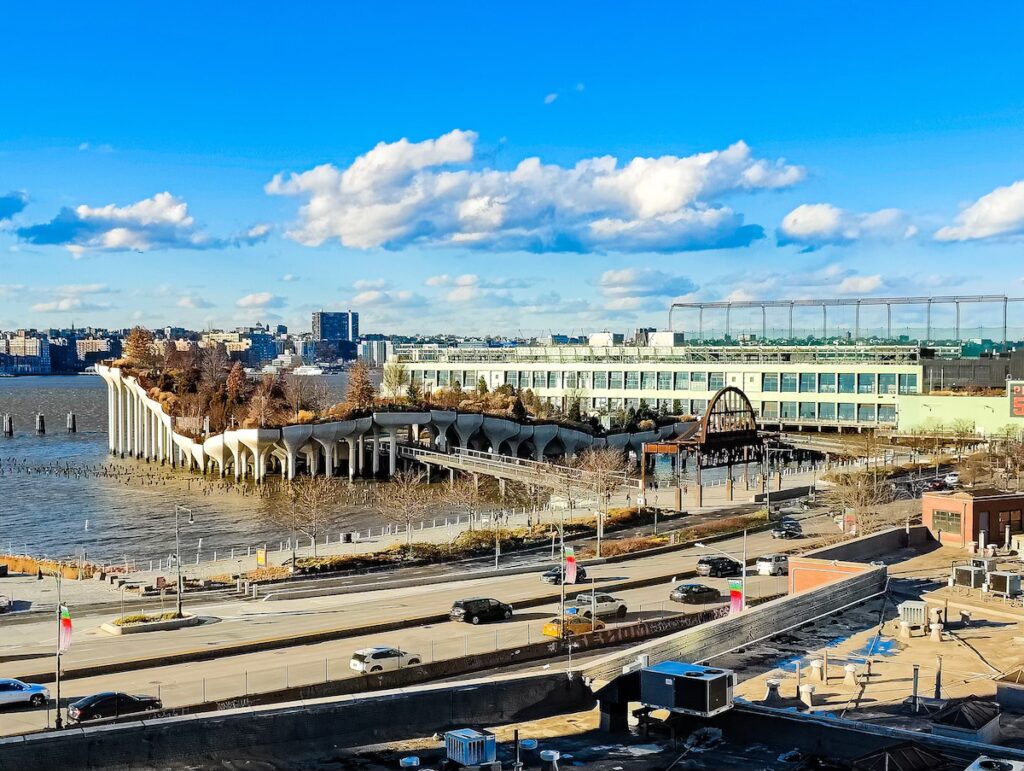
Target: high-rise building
[{"x": 335, "y": 327}]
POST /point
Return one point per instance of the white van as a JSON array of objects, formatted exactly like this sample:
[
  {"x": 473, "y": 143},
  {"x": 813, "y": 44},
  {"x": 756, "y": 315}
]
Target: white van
[{"x": 773, "y": 565}]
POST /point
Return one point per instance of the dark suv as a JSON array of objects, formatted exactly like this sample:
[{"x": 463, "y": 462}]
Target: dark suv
[
  {"x": 110, "y": 704},
  {"x": 718, "y": 566},
  {"x": 479, "y": 609}
]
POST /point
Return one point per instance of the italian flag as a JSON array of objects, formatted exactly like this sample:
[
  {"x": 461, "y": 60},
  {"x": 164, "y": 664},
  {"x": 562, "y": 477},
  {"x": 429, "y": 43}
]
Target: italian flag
[
  {"x": 570, "y": 565},
  {"x": 64, "y": 638}
]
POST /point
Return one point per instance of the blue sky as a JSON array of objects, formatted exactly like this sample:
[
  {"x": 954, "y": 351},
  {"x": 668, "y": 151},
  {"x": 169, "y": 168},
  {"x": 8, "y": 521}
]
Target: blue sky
[{"x": 200, "y": 166}]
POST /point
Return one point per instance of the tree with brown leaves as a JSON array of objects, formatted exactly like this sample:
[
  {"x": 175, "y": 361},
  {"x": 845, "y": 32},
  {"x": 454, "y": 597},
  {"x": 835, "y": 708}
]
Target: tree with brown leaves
[
  {"x": 138, "y": 347},
  {"x": 361, "y": 392}
]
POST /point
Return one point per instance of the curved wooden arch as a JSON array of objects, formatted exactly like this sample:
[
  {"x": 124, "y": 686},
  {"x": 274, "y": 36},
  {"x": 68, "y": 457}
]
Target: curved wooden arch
[{"x": 729, "y": 413}]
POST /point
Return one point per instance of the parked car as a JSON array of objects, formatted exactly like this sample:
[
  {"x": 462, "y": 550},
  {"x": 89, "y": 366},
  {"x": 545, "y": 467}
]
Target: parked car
[
  {"x": 382, "y": 659},
  {"x": 772, "y": 565},
  {"x": 718, "y": 566},
  {"x": 16, "y": 692},
  {"x": 935, "y": 485},
  {"x": 477, "y": 609},
  {"x": 694, "y": 594},
  {"x": 952, "y": 479},
  {"x": 554, "y": 576},
  {"x": 604, "y": 604},
  {"x": 110, "y": 704},
  {"x": 570, "y": 625},
  {"x": 5, "y": 603},
  {"x": 787, "y": 531}
]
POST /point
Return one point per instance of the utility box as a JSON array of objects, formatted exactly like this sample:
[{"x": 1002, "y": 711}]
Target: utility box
[
  {"x": 470, "y": 748},
  {"x": 914, "y": 612},
  {"x": 1004, "y": 583},
  {"x": 687, "y": 688},
  {"x": 971, "y": 576},
  {"x": 988, "y": 564}
]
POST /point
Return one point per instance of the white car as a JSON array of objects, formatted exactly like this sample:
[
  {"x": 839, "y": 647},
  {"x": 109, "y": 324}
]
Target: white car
[
  {"x": 381, "y": 659},
  {"x": 17, "y": 692},
  {"x": 772, "y": 565},
  {"x": 952, "y": 479},
  {"x": 587, "y": 603}
]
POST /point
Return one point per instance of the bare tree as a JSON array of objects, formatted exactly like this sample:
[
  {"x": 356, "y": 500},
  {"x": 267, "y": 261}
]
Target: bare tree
[
  {"x": 404, "y": 499},
  {"x": 312, "y": 502},
  {"x": 303, "y": 392},
  {"x": 395, "y": 379},
  {"x": 604, "y": 470},
  {"x": 213, "y": 365},
  {"x": 862, "y": 494},
  {"x": 264, "y": 405}
]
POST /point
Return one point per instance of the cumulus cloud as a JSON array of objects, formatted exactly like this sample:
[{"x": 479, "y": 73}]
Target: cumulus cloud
[
  {"x": 370, "y": 283},
  {"x": 644, "y": 282},
  {"x": 859, "y": 284},
  {"x": 68, "y": 305},
  {"x": 76, "y": 289},
  {"x": 160, "y": 222},
  {"x": 472, "y": 279},
  {"x": 12, "y": 203},
  {"x": 260, "y": 300},
  {"x": 399, "y": 299},
  {"x": 998, "y": 214},
  {"x": 289, "y": 277},
  {"x": 818, "y": 224},
  {"x": 193, "y": 302},
  {"x": 405, "y": 192}
]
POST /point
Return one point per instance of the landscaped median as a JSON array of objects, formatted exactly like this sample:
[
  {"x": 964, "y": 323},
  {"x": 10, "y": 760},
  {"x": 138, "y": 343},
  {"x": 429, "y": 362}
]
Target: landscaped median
[{"x": 141, "y": 622}]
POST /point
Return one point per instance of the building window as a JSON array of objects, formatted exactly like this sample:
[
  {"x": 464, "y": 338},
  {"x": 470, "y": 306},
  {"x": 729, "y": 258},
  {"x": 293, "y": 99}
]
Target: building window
[
  {"x": 789, "y": 382},
  {"x": 789, "y": 410},
  {"x": 887, "y": 383},
  {"x": 770, "y": 381},
  {"x": 430, "y": 374},
  {"x": 680, "y": 406},
  {"x": 807, "y": 410},
  {"x": 770, "y": 410},
  {"x": 632, "y": 381},
  {"x": 553, "y": 380},
  {"x": 512, "y": 379},
  {"x": 584, "y": 379},
  {"x": 698, "y": 381},
  {"x": 615, "y": 380},
  {"x": 442, "y": 377},
  {"x": 539, "y": 379},
  {"x": 699, "y": 406},
  {"x": 600, "y": 381},
  {"x": 716, "y": 380},
  {"x": 682, "y": 381},
  {"x": 886, "y": 413},
  {"x": 866, "y": 383},
  {"x": 570, "y": 379},
  {"x": 664, "y": 381},
  {"x": 632, "y": 403},
  {"x": 847, "y": 383},
  {"x": 808, "y": 383},
  {"x": 827, "y": 383},
  {"x": 615, "y": 405},
  {"x": 664, "y": 405},
  {"x": 827, "y": 411},
  {"x": 866, "y": 413},
  {"x": 908, "y": 384},
  {"x": 524, "y": 379},
  {"x": 946, "y": 521},
  {"x": 847, "y": 412},
  {"x": 648, "y": 380}
]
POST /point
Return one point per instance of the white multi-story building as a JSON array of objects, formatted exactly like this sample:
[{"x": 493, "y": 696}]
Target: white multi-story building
[{"x": 825, "y": 385}]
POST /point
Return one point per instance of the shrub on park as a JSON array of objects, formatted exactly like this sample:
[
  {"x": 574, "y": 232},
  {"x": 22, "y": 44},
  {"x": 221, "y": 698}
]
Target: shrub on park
[
  {"x": 31, "y": 566},
  {"x": 143, "y": 618}
]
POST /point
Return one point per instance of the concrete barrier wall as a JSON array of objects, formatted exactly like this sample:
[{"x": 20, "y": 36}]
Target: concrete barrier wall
[
  {"x": 874, "y": 546},
  {"x": 343, "y": 721},
  {"x": 718, "y": 637}
]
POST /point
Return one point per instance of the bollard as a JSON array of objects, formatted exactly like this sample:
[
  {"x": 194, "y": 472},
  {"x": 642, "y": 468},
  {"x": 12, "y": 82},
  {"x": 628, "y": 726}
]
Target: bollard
[
  {"x": 772, "y": 696},
  {"x": 904, "y": 630},
  {"x": 807, "y": 695},
  {"x": 965, "y": 618},
  {"x": 936, "y": 633},
  {"x": 40, "y": 423},
  {"x": 817, "y": 670},
  {"x": 72, "y": 423},
  {"x": 851, "y": 675},
  {"x": 914, "y": 694}
]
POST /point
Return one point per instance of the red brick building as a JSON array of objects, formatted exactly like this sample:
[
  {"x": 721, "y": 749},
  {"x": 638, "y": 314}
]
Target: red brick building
[{"x": 961, "y": 517}]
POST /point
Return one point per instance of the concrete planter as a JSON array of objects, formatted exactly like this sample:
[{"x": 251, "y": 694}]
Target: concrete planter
[{"x": 151, "y": 626}]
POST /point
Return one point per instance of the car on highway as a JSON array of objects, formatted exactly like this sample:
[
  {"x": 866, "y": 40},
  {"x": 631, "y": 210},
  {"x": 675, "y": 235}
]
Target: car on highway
[
  {"x": 477, "y": 609},
  {"x": 694, "y": 594},
  {"x": 110, "y": 704},
  {"x": 382, "y": 659},
  {"x": 555, "y": 575},
  {"x": 772, "y": 565},
  {"x": 17, "y": 692},
  {"x": 951, "y": 479},
  {"x": 570, "y": 625},
  {"x": 718, "y": 566},
  {"x": 589, "y": 604},
  {"x": 788, "y": 530}
]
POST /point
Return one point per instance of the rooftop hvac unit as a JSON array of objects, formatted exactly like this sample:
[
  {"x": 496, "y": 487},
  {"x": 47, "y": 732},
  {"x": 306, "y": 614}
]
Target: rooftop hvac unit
[
  {"x": 687, "y": 688},
  {"x": 1004, "y": 583},
  {"x": 988, "y": 564},
  {"x": 914, "y": 612},
  {"x": 969, "y": 576},
  {"x": 470, "y": 748},
  {"x": 985, "y": 763}
]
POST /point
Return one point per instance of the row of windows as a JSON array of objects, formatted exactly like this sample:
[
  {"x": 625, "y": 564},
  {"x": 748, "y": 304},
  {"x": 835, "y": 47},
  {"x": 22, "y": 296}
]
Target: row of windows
[
  {"x": 946, "y": 521},
  {"x": 785, "y": 382},
  {"x": 844, "y": 412},
  {"x": 842, "y": 382}
]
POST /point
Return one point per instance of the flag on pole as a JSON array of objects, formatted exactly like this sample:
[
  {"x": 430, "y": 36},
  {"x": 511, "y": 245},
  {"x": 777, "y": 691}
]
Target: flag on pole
[
  {"x": 735, "y": 595},
  {"x": 570, "y": 565},
  {"x": 64, "y": 640}
]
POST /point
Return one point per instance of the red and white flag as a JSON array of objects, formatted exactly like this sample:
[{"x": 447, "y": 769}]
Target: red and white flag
[
  {"x": 64, "y": 638},
  {"x": 570, "y": 565}
]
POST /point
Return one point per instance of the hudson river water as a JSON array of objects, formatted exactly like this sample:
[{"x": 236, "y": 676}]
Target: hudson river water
[{"x": 61, "y": 493}]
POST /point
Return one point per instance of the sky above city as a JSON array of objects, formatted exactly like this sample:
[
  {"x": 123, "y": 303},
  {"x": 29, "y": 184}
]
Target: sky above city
[{"x": 463, "y": 168}]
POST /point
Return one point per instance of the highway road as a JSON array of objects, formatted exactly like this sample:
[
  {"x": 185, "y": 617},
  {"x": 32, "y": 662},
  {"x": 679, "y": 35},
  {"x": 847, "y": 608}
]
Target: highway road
[{"x": 233, "y": 675}]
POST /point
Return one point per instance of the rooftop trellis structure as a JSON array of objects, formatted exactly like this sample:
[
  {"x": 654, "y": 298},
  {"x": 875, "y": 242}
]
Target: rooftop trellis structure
[{"x": 843, "y": 302}]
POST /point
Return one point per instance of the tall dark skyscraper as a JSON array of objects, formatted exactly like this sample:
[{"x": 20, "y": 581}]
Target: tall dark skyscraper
[{"x": 336, "y": 326}]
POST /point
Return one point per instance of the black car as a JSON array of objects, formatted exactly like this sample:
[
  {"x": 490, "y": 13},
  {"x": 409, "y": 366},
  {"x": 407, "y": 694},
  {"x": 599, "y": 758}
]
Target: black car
[
  {"x": 788, "y": 531},
  {"x": 718, "y": 566},
  {"x": 694, "y": 594},
  {"x": 555, "y": 576},
  {"x": 477, "y": 609},
  {"x": 110, "y": 704}
]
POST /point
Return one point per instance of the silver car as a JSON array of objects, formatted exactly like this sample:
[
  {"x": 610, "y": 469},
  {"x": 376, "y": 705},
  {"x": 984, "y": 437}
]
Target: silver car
[{"x": 17, "y": 692}]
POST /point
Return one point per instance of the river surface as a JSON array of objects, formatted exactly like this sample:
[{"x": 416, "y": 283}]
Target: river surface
[{"x": 61, "y": 493}]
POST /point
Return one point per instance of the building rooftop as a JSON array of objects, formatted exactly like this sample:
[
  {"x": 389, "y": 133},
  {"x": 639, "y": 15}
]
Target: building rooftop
[{"x": 969, "y": 714}]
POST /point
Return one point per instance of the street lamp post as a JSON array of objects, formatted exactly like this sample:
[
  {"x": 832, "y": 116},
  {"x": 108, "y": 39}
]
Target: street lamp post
[
  {"x": 767, "y": 470},
  {"x": 743, "y": 566},
  {"x": 177, "y": 549}
]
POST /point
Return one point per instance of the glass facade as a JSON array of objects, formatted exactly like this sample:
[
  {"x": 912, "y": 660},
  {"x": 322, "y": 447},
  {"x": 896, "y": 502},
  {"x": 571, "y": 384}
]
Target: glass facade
[
  {"x": 600, "y": 380},
  {"x": 847, "y": 383},
  {"x": 847, "y": 412},
  {"x": 887, "y": 383},
  {"x": 788, "y": 411},
  {"x": 615, "y": 380},
  {"x": 827, "y": 411},
  {"x": 807, "y": 411},
  {"x": 648, "y": 380},
  {"x": 865, "y": 383},
  {"x": 827, "y": 383},
  {"x": 886, "y": 413},
  {"x": 664, "y": 381},
  {"x": 770, "y": 381},
  {"x": 716, "y": 380},
  {"x": 698, "y": 381},
  {"x": 632, "y": 381},
  {"x": 682, "y": 381},
  {"x": 789, "y": 382},
  {"x": 866, "y": 413},
  {"x": 908, "y": 384},
  {"x": 808, "y": 383}
]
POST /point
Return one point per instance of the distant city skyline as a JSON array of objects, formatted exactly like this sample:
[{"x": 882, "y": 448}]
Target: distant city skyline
[{"x": 482, "y": 173}]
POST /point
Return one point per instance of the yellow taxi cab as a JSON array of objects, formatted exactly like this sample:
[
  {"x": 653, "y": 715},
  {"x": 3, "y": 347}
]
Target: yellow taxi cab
[{"x": 567, "y": 626}]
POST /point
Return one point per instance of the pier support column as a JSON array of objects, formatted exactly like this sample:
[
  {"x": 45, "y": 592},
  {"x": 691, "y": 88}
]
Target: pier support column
[
  {"x": 111, "y": 416},
  {"x": 351, "y": 459},
  {"x": 329, "y": 459},
  {"x": 290, "y": 464},
  {"x": 375, "y": 462},
  {"x": 392, "y": 453}
]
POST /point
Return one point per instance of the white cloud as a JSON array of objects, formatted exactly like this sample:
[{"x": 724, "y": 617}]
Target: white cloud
[
  {"x": 289, "y": 277},
  {"x": 160, "y": 222},
  {"x": 193, "y": 302},
  {"x": 994, "y": 215},
  {"x": 404, "y": 192},
  {"x": 442, "y": 280},
  {"x": 76, "y": 289},
  {"x": 67, "y": 305},
  {"x": 370, "y": 283},
  {"x": 739, "y": 296},
  {"x": 550, "y": 98},
  {"x": 859, "y": 284},
  {"x": 260, "y": 300},
  {"x": 377, "y": 297},
  {"x": 818, "y": 224},
  {"x": 644, "y": 282}
]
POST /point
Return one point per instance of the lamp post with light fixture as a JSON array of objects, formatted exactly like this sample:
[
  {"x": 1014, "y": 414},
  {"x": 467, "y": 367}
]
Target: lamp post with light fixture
[{"x": 177, "y": 550}]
